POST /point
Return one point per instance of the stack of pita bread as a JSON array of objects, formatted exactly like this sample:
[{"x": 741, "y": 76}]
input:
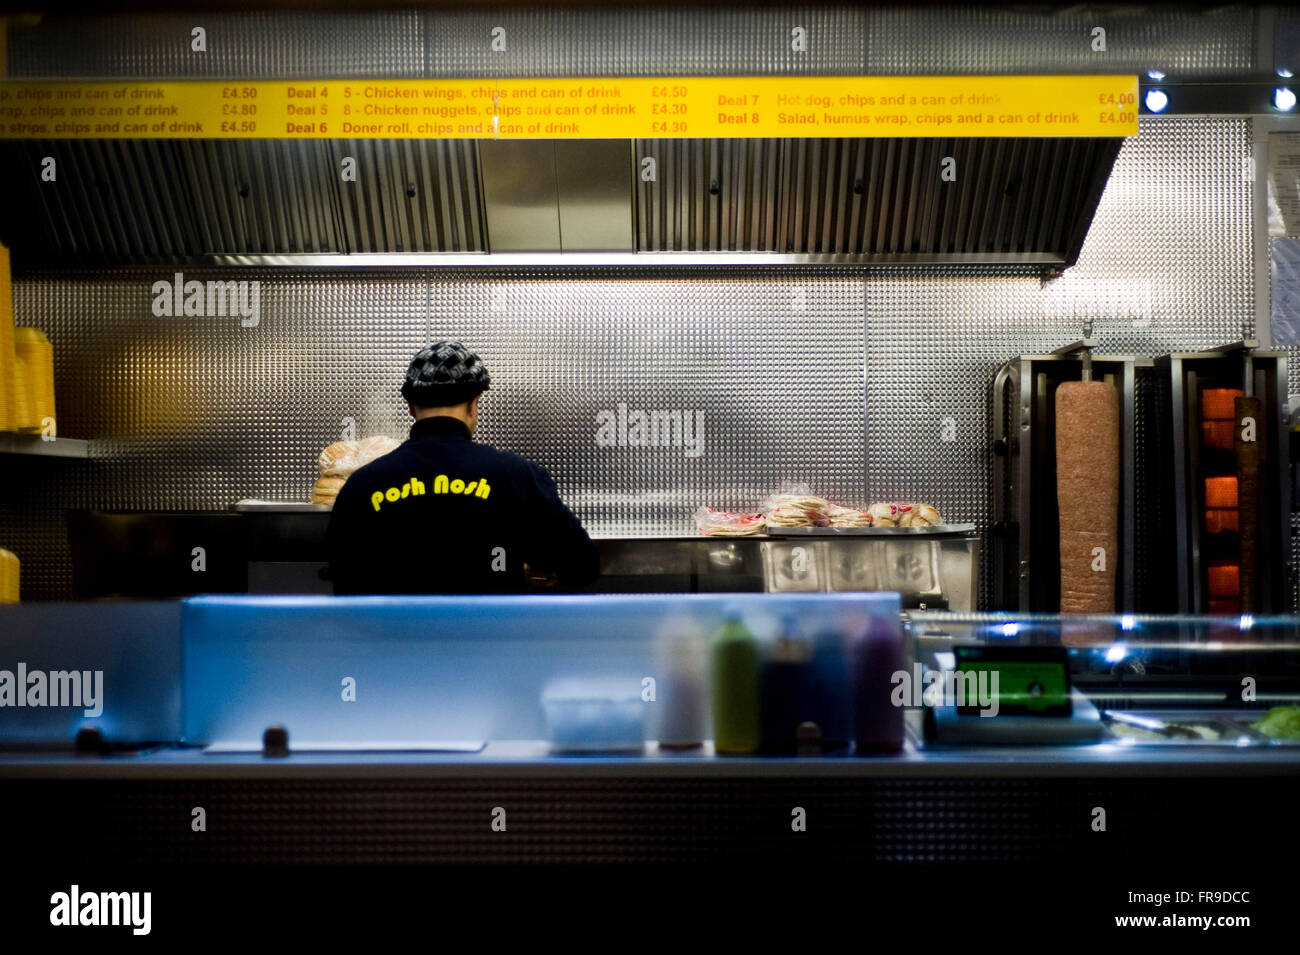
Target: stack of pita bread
[{"x": 796, "y": 510}]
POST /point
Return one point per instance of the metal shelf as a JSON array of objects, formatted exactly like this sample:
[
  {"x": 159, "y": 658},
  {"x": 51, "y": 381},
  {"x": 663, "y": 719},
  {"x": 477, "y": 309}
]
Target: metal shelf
[{"x": 35, "y": 444}]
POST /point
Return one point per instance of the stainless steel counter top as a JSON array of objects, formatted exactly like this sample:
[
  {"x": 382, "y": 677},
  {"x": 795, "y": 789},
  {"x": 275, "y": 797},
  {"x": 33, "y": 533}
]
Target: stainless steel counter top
[{"x": 528, "y": 758}]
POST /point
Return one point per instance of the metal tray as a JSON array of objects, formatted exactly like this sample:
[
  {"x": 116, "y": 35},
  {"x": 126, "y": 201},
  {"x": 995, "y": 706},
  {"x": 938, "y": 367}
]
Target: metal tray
[
  {"x": 1232, "y": 725},
  {"x": 1250, "y": 716},
  {"x": 930, "y": 530},
  {"x": 281, "y": 507}
]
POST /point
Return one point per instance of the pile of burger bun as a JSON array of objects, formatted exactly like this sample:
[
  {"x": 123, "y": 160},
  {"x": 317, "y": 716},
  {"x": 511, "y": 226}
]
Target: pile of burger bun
[{"x": 341, "y": 458}]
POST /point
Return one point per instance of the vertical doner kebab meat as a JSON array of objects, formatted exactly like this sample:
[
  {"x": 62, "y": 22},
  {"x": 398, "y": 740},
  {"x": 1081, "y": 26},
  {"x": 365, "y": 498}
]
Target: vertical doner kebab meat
[{"x": 1087, "y": 494}]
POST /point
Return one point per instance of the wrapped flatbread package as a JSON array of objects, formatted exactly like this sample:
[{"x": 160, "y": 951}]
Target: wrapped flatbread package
[
  {"x": 796, "y": 506},
  {"x": 343, "y": 457},
  {"x": 728, "y": 523},
  {"x": 903, "y": 514}
]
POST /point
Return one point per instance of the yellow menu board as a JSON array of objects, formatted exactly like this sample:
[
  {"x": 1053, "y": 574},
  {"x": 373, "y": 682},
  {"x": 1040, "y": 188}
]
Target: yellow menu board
[{"x": 621, "y": 108}]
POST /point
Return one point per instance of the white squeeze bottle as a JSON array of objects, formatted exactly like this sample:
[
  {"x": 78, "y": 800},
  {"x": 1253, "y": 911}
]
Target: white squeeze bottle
[{"x": 682, "y": 697}]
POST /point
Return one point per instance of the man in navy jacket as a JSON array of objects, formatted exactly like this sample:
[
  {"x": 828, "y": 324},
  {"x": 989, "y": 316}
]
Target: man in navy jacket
[{"x": 443, "y": 514}]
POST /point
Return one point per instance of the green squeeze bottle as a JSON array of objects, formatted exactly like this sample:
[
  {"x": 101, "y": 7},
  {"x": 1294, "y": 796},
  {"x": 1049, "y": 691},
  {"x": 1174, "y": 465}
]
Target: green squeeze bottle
[{"x": 736, "y": 669}]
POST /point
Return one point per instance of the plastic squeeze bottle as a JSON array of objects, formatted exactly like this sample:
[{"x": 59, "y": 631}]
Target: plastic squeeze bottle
[
  {"x": 877, "y": 656},
  {"x": 834, "y": 709},
  {"x": 735, "y": 672},
  {"x": 682, "y": 713},
  {"x": 788, "y": 690}
]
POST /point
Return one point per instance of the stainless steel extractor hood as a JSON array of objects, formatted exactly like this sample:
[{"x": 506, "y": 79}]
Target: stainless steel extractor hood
[
  {"x": 558, "y": 195},
  {"x": 710, "y": 201}
]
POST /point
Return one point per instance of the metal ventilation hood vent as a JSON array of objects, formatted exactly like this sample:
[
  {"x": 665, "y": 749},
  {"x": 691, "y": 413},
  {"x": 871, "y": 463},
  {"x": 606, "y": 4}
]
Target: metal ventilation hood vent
[{"x": 755, "y": 201}]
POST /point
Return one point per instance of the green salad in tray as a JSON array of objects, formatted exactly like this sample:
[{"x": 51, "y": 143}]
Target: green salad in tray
[{"x": 1281, "y": 722}]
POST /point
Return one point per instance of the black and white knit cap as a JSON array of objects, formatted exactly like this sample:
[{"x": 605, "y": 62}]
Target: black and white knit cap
[{"x": 444, "y": 374}]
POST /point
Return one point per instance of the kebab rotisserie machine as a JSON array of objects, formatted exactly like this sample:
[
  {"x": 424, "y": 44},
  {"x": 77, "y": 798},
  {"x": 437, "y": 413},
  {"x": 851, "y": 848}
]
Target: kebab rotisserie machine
[
  {"x": 1231, "y": 493},
  {"x": 1063, "y": 481}
]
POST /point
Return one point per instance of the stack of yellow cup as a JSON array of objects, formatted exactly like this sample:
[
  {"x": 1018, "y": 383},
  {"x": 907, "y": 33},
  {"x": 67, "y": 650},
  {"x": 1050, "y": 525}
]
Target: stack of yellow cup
[
  {"x": 8, "y": 577},
  {"x": 35, "y": 357},
  {"x": 22, "y": 395},
  {"x": 8, "y": 360}
]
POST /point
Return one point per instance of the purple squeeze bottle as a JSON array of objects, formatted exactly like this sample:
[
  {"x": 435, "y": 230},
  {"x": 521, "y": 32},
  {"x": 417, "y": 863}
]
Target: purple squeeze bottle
[{"x": 877, "y": 656}]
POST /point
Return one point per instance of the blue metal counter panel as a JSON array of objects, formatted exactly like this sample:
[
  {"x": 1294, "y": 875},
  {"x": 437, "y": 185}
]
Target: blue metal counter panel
[
  {"x": 131, "y": 652},
  {"x": 446, "y": 668}
]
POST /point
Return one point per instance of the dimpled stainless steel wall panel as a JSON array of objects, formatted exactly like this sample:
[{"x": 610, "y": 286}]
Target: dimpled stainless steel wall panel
[
  {"x": 976, "y": 38},
  {"x": 1295, "y": 562},
  {"x": 284, "y": 45},
  {"x": 1166, "y": 267},
  {"x": 682, "y": 41},
  {"x": 770, "y": 362}
]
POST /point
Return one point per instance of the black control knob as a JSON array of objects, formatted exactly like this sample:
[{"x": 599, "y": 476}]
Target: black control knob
[
  {"x": 275, "y": 741},
  {"x": 90, "y": 742}
]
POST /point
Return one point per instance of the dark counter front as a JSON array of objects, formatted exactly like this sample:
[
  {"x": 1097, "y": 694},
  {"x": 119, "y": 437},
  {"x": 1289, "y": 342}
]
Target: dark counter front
[
  {"x": 138, "y": 554},
  {"x": 281, "y": 550},
  {"x": 1039, "y": 806}
]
